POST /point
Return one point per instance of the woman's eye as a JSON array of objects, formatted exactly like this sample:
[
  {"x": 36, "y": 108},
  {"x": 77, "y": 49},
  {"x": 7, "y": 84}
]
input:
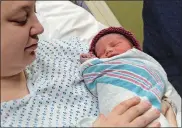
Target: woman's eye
[
  {"x": 23, "y": 22},
  {"x": 20, "y": 21}
]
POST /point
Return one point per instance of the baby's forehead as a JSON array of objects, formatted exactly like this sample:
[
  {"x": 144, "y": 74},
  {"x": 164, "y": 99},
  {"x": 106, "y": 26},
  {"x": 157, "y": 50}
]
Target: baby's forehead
[
  {"x": 107, "y": 39},
  {"x": 110, "y": 38},
  {"x": 112, "y": 35}
]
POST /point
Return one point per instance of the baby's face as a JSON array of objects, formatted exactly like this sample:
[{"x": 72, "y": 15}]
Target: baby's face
[{"x": 111, "y": 45}]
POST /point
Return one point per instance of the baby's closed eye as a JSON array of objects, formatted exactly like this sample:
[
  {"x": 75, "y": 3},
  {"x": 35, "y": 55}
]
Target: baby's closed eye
[{"x": 115, "y": 44}]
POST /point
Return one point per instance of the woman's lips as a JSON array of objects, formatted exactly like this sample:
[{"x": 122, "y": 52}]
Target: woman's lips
[{"x": 31, "y": 48}]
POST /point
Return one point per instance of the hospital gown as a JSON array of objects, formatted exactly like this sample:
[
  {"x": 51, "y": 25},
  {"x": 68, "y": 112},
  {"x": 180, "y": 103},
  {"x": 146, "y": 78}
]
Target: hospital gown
[{"x": 58, "y": 96}]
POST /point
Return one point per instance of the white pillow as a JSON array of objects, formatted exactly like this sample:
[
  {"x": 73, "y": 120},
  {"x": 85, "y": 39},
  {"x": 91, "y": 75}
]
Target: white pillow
[{"x": 62, "y": 19}]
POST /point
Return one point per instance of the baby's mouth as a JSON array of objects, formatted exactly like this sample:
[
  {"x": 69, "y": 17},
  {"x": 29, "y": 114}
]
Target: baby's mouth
[{"x": 113, "y": 54}]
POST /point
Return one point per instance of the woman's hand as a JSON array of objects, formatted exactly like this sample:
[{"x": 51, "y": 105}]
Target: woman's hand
[
  {"x": 129, "y": 113},
  {"x": 168, "y": 112}
]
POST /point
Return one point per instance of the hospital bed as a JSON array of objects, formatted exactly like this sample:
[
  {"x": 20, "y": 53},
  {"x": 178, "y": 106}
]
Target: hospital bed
[
  {"x": 82, "y": 4},
  {"x": 62, "y": 19}
]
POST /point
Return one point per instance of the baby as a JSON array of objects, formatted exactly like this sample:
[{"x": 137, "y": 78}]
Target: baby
[{"x": 115, "y": 69}]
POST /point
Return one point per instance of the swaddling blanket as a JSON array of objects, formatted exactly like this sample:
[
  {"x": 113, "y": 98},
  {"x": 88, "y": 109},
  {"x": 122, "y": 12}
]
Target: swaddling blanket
[{"x": 121, "y": 77}]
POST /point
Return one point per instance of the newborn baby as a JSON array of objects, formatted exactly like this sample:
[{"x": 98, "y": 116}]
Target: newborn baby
[{"x": 115, "y": 69}]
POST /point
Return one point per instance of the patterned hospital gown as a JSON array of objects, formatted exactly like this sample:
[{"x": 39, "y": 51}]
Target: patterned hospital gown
[{"x": 57, "y": 96}]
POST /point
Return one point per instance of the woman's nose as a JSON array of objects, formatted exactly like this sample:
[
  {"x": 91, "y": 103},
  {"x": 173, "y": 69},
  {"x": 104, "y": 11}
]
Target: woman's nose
[{"x": 37, "y": 27}]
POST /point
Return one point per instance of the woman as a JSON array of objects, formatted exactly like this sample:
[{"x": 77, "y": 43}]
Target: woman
[{"x": 33, "y": 97}]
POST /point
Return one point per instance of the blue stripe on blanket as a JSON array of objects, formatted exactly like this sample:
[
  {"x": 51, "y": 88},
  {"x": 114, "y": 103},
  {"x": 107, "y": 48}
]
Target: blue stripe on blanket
[{"x": 129, "y": 86}]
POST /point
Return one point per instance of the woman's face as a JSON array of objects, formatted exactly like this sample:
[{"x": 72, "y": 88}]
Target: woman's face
[{"x": 19, "y": 30}]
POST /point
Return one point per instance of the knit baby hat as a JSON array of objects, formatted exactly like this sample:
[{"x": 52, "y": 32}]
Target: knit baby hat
[{"x": 118, "y": 30}]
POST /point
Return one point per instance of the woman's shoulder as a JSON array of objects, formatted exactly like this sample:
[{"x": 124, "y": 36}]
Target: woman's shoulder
[
  {"x": 52, "y": 50},
  {"x": 54, "y": 55},
  {"x": 49, "y": 47}
]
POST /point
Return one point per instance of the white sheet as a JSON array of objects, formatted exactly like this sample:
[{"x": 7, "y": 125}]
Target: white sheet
[{"x": 62, "y": 19}]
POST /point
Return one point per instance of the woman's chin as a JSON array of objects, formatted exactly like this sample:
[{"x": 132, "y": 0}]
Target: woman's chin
[{"x": 31, "y": 57}]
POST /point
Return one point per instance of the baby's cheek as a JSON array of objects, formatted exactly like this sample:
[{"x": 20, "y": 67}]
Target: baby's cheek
[{"x": 120, "y": 50}]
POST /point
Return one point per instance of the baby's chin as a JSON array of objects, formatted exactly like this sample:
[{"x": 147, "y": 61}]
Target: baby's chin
[{"x": 111, "y": 55}]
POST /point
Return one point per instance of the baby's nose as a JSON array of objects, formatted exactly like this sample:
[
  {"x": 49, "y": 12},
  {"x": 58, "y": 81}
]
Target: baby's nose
[{"x": 108, "y": 52}]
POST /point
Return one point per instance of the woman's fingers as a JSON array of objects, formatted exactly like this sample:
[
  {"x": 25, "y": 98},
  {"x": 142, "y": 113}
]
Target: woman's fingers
[
  {"x": 125, "y": 105},
  {"x": 155, "y": 125},
  {"x": 99, "y": 121},
  {"x": 165, "y": 107},
  {"x": 129, "y": 113},
  {"x": 137, "y": 110},
  {"x": 146, "y": 118},
  {"x": 171, "y": 117}
]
